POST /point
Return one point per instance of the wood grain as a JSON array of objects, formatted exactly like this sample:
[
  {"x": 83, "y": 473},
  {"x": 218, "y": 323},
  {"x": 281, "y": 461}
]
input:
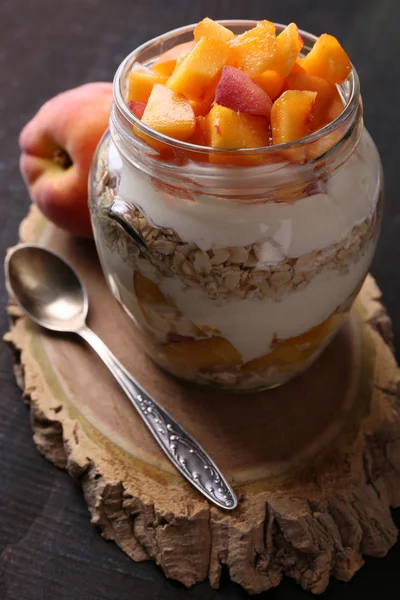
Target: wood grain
[{"x": 315, "y": 463}]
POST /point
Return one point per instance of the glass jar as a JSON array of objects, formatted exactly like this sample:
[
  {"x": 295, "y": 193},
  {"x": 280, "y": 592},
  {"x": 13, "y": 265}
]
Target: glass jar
[{"x": 236, "y": 275}]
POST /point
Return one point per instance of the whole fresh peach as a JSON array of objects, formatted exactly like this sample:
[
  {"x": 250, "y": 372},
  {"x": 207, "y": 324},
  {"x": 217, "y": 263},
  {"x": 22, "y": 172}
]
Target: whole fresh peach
[{"x": 57, "y": 147}]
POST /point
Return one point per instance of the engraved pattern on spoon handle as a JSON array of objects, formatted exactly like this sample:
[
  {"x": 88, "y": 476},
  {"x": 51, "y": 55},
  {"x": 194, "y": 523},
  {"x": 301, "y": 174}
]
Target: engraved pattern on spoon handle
[{"x": 183, "y": 451}]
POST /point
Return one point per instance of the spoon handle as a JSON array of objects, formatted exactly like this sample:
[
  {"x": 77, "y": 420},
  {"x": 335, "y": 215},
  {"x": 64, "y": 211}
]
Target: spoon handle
[{"x": 182, "y": 450}]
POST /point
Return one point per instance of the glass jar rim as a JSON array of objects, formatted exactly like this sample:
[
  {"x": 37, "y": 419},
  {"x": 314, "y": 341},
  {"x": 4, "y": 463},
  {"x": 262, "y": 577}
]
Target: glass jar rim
[{"x": 350, "y": 108}]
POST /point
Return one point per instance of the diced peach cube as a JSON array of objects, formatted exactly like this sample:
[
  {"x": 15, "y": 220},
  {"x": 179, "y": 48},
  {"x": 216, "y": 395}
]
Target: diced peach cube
[
  {"x": 291, "y": 118},
  {"x": 165, "y": 69},
  {"x": 200, "y": 68},
  {"x": 262, "y": 28},
  {"x": 328, "y": 60},
  {"x": 291, "y": 115},
  {"x": 325, "y": 93},
  {"x": 230, "y": 129},
  {"x": 255, "y": 51},
  {"x": 209, "y": 28},
  {"x": 271, "y": 82},
  {"x": 169, "y": 113},
  {"x": 141, "y": 84},
  {"x": 236, "y": 90},
  {"x": 289, "y": 45}
]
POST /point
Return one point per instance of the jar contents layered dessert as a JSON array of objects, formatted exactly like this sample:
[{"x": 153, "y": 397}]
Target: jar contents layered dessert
[{"x": 240, "y": 249}]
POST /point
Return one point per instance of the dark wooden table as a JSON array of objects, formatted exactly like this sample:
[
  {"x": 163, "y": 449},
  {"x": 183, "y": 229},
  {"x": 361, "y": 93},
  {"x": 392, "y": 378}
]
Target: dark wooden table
[{"x": 48, "y": 548}]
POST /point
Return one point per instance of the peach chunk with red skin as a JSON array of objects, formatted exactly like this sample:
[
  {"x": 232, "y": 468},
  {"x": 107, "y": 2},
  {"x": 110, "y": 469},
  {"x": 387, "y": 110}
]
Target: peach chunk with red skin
[
  {"x": 215, "y": 31},
  {"x": 291, "y": 118},
  {"x": 255, "y": 51},
  {"x": 236, "y": 90},
  {"x": 137, "y": 108},
  {"x": 200, "y": 68},
  {"x": 169, "y": 113},
  {"x": 328, "y": 60}
]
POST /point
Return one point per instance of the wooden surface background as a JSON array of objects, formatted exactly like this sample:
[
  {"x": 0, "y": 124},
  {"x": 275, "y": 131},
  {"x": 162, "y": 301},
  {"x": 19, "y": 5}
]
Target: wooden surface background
[{"x": 48, "y": 548}]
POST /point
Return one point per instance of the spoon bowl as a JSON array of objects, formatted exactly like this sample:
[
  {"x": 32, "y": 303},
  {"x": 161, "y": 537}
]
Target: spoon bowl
[{"x": 47, "y": 288}]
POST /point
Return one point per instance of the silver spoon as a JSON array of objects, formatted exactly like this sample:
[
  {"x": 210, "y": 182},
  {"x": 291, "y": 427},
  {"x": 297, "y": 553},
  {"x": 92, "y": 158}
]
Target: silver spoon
[{"x": 50, "y": 293}]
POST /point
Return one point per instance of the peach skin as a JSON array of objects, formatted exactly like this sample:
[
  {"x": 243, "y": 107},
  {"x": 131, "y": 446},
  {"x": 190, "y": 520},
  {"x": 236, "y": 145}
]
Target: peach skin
[{"x": 57, "y": 147}]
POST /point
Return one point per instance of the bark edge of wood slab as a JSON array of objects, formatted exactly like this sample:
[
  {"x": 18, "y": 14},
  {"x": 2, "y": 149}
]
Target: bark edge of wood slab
[{"x": 311, "y": 504}]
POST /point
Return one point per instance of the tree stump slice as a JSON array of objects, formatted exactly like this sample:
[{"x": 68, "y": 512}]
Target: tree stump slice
[{"x": 315, "y": 463}]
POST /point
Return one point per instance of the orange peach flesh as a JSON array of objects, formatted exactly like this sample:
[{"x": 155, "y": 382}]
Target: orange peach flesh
[
  {"x": 200, "y": 68},
  {"x": 169, "y": 113},
  {"x": 274, "y": 64}
]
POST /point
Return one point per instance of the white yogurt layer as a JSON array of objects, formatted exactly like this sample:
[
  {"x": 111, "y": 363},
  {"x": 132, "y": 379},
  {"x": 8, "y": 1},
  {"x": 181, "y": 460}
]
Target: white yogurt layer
[
  {"x": 292, "y": 228},
  {"x": 250, "y": 325}
]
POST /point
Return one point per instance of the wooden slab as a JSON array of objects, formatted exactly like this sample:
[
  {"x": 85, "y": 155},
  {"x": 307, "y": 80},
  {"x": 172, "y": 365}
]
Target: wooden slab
[{"x": 315, "y": 463}]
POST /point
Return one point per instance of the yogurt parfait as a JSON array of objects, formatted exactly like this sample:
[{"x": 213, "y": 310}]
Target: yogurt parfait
[{"x": 236, "y": 199}]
